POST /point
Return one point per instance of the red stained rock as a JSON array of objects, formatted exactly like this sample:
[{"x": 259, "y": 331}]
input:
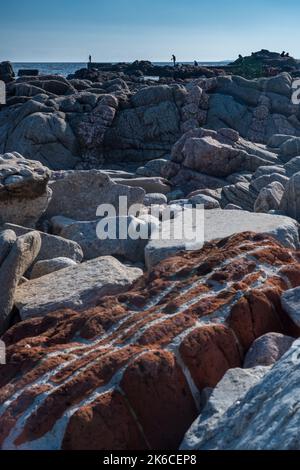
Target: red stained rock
[
  {"x": 208, "y": 352},
  {"x": 118, "y": 376},
  {"x": 105, "y": 424},
  {"x": 167, "y": 406}
]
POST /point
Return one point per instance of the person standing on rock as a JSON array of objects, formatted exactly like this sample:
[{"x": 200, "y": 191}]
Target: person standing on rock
[
  {"x": 174, "y": 60},
  {"x": 90, "y": 61}
]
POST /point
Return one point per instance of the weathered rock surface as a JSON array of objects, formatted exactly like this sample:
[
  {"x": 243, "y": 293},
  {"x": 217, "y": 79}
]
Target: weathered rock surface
[
  {"x": 41, "y": 268},
  {"x": 232, "y": 388},
  {"x": 290, "y": 202},
  {"x": 291, "y": 303},
  {"x": 150, "y": 185},
  {"x": 216, "y": 224},
  {"x": 267, "y": 350},
  {"x": 210, "y": 154},
  {"x": 76, "y": 287},
  {"x": 52, "y": 245},
  {"x": 18, "y": 257},
  {"x": 77, "y": 194},
  {"x": 127, "y": 373},
  {"x": 24, "y": 194},
  {"x": 268, "y": 415},
  {"x": 257, "y": 109},
  {"x": 87, "y": 235},
  {"x": 269, "y": 198}
]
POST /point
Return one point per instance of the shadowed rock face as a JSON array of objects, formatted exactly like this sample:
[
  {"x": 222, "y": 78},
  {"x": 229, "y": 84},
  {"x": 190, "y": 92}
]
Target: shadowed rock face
[{"x": 127, "y": 373}]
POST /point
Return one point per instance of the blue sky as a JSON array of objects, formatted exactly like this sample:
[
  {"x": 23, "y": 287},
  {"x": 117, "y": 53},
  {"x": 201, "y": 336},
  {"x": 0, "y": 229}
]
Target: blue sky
[{"x": 124, "y": 30}]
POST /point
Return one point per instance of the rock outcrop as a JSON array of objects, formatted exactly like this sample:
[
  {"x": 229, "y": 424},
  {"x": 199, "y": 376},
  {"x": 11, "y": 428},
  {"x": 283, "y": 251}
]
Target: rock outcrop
[
  {"x": 16, "y": 256},
  {"x": 230, "y": 390},
  {"x": 188, "y": 232},
  {"x": 268, "y": 414},
  {"x": 78, "y": 287},
  {"x": 127, "y": 373},
  {"x": 24, "y": 191},
  {"x": 77, "y": 194}
]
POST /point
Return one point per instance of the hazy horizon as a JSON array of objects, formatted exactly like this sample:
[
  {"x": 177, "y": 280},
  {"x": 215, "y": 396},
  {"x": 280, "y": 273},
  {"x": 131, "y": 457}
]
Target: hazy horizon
[{"x": 124, "y": 31}]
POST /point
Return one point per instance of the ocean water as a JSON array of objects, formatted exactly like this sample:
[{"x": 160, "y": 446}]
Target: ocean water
[{"x": 66, "y": 68}]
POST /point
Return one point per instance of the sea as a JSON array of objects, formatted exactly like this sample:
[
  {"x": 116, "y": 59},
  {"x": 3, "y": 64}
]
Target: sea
[{"x": 67, "y": 68}]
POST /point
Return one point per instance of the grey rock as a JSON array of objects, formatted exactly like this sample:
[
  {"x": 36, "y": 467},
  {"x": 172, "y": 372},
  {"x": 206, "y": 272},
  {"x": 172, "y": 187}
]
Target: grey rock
[
  {"x": 155, "y": 198},
  {"x": 24, "y": 194},
  {"x": 290, "y": 301},
  {"x": 277, "y": 140},
  {"x": 7, "y": 240},
  {"x": 229, "y": 391},
  {"x": 268, "y": 170},
  {"x": 86, "y": 234},
  {"x": 269, "y": 197},
  {"x": 176, "y": 194},
  {"x": 52, "y": 246},
  {"x": 290, "y": 202},
  {"x": 290, "y": 148},
  {"x": 77, "y": 194},
  {"x": 292, "y": 166},
  {"x": 267, "y": 350},
  {"x": 20, "y": 257},
  {"x": 150, "y": 185},
  {"x": 217, "y": 224},
  {"x": 232, "y": 207},
  {"x": 267, "y": 417},
  {"x": 257, "y": 184},
  {"x": 41, "y": 268},
  {"x": 153, "y": 168},
  {"x": 76, "y": 287},
  {"x": 207, "y": 201},
  {"x": 239, "y": 194}
]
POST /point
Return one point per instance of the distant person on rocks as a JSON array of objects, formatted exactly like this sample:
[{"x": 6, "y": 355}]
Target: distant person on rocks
[
  {"x": 174, "y": 60},
  {"x": 282, "y": 54},
  {"x": 90, "y": 61},
  {"x": 287, "y": 54},
  {"x": 195, "y": 63}
]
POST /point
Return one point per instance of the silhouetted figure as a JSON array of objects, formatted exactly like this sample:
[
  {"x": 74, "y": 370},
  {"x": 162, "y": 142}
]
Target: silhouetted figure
[
  {"x": 174, "y": 60},
  {"x": 282, "y": 54},
  {"x": 240, "y": 56},
  {"x": 287, "y": 54},
  {"x": 195, "y": 63},
  {"x": 90, "y": 61}
]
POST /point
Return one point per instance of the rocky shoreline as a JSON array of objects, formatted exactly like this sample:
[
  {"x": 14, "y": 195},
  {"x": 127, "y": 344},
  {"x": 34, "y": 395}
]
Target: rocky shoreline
[{"x": 129, "y": 344}]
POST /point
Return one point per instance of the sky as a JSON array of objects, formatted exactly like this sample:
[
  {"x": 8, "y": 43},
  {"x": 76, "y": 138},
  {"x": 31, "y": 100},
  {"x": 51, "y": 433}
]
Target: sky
[{"x": 125, "y": 30}]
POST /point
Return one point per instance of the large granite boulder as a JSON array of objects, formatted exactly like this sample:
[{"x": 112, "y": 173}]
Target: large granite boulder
[
  {"x": 185, "y": 233},
  {"x": 257, "y": 108},
  {"x": 212, "y": 154},
  {"x": 267, "y": 350},
  {"x": 268, "y": 414},
  {"x": 290, "y": 202},
  {"x": 40, "y": 131},
  {"x": 77, "y": 194},
  {"x": 7, "y": 73},
  {"x": 52, "y": 246},
  {"x": 17, "y": 255},
  {"x": 24, "y": 191},
  {"x": 269, "y": 198},
  {"x": 93, "y": 239},
  {"x": 127, "y": 374},
  {"x": 148, "y": 127},
  {"x": 231, "y": 389},
  {"x": 76, "y": 287}
]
